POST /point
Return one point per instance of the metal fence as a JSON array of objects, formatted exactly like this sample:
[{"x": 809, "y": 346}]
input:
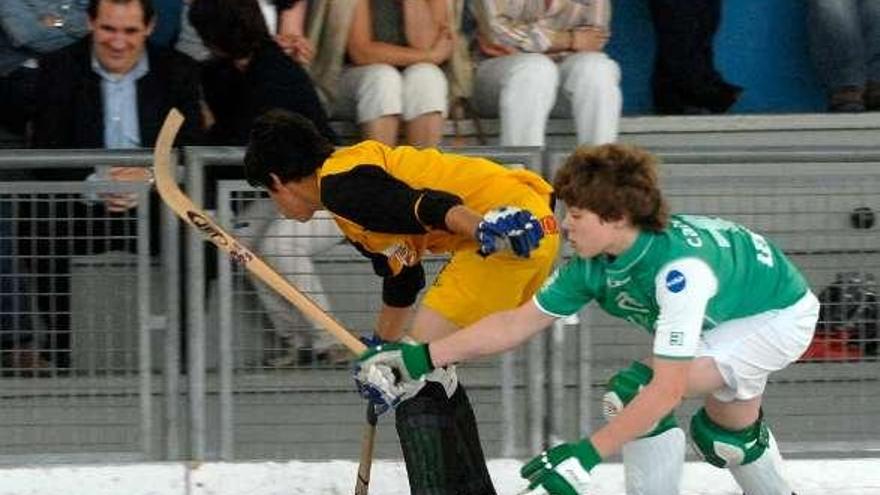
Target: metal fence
[
  {"x": 261, "y": 383},
  {"x": 83, "y": 330}
]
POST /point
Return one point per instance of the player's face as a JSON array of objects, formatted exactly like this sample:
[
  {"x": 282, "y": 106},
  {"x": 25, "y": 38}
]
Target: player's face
[
  {"x": 291, "y": 202},
  {"x": 119, "y": 35},
  {"x": 588, "y": 234}
]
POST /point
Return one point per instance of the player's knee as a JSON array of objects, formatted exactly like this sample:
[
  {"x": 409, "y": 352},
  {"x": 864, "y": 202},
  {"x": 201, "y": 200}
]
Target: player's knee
[
  {"x": 623, "y": 387},
  {"x": 725, "y": 448}
]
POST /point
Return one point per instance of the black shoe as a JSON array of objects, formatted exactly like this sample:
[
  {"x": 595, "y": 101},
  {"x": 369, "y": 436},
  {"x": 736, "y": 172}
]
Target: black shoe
[
  {"x": 847, "y": 99},
  {"x": 872, "y": 96},
  {"x": 720, "y": 98},
  {"x": 712, "y": 99}
]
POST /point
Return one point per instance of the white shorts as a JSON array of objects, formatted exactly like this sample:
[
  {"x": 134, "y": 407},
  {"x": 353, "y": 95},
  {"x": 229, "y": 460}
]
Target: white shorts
[
  {"x": 747, "y": 350},
  {"x": 368, "y": 92}
]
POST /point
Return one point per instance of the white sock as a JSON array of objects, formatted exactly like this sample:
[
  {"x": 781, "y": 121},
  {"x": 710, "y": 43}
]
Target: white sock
[
  {"x": 653, "y": 465},
  {"x": 764, "y": 476}
]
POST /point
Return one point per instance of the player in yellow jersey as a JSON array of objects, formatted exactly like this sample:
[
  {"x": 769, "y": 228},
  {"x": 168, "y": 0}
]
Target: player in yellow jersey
[{"x": 394, "y": 205}]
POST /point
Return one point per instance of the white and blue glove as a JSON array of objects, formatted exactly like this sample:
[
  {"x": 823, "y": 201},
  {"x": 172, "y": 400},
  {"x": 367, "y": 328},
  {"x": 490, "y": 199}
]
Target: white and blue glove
[
  {"x": 391, "y": 372},
  {"x": 562, "y": 470},
  {"x": 509, "y": 227}
]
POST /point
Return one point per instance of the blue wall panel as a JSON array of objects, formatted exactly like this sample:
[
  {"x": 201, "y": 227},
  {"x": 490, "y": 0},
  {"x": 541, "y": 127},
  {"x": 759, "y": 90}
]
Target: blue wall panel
[{"x": 761, "y": 45}]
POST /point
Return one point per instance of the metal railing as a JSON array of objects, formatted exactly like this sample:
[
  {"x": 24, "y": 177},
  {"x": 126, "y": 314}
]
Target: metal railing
[{"x": 79, "y": 375}]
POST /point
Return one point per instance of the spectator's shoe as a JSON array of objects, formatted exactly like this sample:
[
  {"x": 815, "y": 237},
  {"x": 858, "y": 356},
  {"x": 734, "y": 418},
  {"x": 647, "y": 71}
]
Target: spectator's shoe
[
  {"x": 25, "y": 362},
  {"x": 693, "y": 110},
  {"x": 847, "y": 99},
  {"x": 872, "y": 96},
  {"x": 709, "y": 99},
  {"x": 719, "y": 98},
  {"x": 286, "y": 359},
  {"x": 335, "y": 356}
]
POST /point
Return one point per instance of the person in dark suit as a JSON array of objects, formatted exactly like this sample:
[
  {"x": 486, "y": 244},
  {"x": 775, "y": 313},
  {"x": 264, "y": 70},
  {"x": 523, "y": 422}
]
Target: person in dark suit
[
  {"x": 109, "y": 90},
  {"x": 685, "y": 79},
  {"x": 73, "y": 110},
  {"x": 250, "y": 73}
]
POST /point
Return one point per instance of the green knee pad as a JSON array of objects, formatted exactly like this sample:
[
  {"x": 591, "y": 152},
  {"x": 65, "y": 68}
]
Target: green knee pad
[
  {"x": 721, "y": 447},
  {"x": 622, "y": 389}
]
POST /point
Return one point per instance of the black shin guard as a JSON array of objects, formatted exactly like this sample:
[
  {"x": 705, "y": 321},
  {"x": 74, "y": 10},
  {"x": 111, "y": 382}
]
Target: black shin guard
[{"x": 441, "y": 445}]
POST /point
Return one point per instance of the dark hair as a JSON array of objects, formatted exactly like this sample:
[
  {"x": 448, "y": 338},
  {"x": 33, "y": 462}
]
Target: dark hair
[
  {"x": 229, "y": 28},
  {"x": 614, "y": 181},
  {"x": 285, "y": 144},
  {"x": 146, "y": 6}
]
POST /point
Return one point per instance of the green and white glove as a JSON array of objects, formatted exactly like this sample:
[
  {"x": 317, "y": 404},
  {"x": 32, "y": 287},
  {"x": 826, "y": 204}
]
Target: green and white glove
[
  {"x": 562, "y": 470},
  {"x": 392, "y": 372}
]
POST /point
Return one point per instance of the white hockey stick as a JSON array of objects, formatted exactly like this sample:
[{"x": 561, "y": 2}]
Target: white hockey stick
[{"x": 171, "y": 194}]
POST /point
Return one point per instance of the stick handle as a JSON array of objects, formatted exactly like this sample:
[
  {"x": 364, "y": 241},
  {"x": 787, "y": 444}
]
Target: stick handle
[{"x": 362, "y": 486}]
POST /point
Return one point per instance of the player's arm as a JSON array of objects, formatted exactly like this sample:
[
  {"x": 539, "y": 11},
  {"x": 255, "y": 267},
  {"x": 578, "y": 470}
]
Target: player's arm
[
  {"x": 653, "y": 402},
  {"x": 399, "y": 293},
  {"x": 392, "y": 372},
  {"x": 391, "y": 323},
  {"x": 491, "y": 335},
  {"x": 372, "y": 198},
  {"x": 568, "y": 289}
]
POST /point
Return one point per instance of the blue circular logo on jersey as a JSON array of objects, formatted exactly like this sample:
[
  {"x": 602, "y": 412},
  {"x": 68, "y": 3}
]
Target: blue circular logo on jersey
[{"x": 675, "y": 281}]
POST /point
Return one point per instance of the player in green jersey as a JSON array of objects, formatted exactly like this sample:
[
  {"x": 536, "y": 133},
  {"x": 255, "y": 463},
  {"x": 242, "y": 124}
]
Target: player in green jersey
[{"x": 725, "y": 307}]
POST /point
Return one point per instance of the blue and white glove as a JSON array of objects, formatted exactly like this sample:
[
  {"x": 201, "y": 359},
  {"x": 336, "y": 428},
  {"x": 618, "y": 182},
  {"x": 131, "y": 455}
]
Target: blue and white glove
[
  {"x": 562, "y": 470},
  {"x": 509, "y": 227},
  {"x": 389, "y": 373},
  {"x": 380, "y": 407}
]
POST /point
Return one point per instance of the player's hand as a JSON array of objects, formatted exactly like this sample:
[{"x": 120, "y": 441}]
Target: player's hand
[
  {"x": 380, "y": 407},
  {"x": 390, "y": 373},
  {"x": 510, "y": 228},
  {"x": 562, "y": 470}
]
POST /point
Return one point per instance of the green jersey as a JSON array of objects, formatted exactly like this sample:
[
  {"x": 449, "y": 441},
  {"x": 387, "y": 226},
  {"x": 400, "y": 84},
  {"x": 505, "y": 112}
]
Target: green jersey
[{"x": 697, "y": 273}]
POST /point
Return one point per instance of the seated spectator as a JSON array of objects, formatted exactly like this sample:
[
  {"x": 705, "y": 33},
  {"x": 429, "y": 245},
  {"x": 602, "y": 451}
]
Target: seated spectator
[
  {"x": 284, "y": 18},
  {"x": 535, "y": 59},
  {"x": 394, "y": 49},
  {"x": 250, "y": 73},
  {"x": 109, "y": 90},
  {"x": 845, "y": 44},
  {"x": 685, "y": 80},
  {"x": 29, "y": 28},
  {"x": 290, "y": 246}
]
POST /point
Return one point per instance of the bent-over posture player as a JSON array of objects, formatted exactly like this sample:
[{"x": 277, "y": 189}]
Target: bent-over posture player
[
  {"x": 725, "y": 306},
  {"x": 394, "y": 205}
]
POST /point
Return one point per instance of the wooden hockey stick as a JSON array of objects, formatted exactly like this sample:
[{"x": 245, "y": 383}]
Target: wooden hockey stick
[
  {"x": 362, "y": 487},
  {"x": 166, "y": 183}
]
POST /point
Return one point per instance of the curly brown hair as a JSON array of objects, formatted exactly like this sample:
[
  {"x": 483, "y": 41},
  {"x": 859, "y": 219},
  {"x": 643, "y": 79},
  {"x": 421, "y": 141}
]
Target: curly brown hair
[{"x": 614, "y": 181}]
